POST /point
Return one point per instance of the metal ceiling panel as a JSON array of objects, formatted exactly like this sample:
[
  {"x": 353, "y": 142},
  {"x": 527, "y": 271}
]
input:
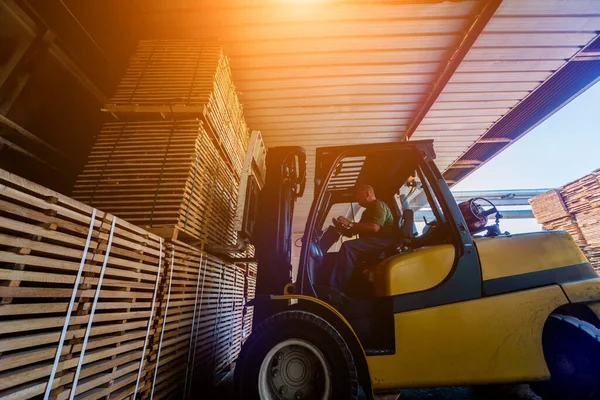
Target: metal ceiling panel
[
  {"x": 497, "y": 65},
  {"x": 540, "y": 22},
  {"x": 551, "y": 39},
  {"x": 330, "y": 72},
  {"x": 522, "y": 48}
]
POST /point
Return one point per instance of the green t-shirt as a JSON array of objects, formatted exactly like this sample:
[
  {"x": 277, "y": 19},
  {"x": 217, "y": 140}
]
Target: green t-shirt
[{"x": 379, "y": 213}]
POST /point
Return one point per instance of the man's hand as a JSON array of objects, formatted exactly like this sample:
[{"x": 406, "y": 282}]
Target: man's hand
[{"x": 343, "y": 221}]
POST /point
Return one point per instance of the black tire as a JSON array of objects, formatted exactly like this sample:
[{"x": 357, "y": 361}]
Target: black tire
[
  {"x": 302, "y": 326},
  {"x": 573, "y": 358}
]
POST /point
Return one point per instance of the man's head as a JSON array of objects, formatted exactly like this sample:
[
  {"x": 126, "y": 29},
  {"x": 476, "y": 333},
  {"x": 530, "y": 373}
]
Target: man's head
[{"x": 365, "y": 195}]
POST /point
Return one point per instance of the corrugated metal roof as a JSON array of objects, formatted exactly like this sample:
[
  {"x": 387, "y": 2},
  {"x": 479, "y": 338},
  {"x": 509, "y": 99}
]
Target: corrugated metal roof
[
  {"x": 319, "y": 73},
  {"x": 329, "y": 72},
  {"x": 505, "y": 66}
]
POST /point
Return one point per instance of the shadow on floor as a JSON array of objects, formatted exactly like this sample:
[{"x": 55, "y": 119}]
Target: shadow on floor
[{"x": 224, "y": 391}]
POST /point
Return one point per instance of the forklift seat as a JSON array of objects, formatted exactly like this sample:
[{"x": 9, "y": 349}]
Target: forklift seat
[
  {"x": 403, "y": 228},
  {"x": 360, "y": 282}
]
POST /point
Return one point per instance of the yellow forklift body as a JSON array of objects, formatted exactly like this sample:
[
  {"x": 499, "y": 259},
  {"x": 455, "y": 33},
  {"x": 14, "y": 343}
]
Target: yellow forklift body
[
  {"x": 329, "y": 307},
  {"x": 454, "y": 309},
  {"x": 417, "y": 270},
  {"x": 587, "y": 291},
  {"x": 505, "y": 256},
  {"x": 492, "y": 339},
  {"x": 500, "y": 257}
]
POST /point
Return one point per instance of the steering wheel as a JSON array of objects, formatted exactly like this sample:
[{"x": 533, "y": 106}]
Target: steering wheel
[{"x": 343, "y": 230}]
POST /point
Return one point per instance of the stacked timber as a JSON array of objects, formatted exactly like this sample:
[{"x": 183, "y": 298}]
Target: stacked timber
[
  {"x": 180, "y": 177},
  {"x": 179, "y": 78},
  {"x": 575, "y": 208},
  {"x": 97, "y": 306},
  {"x": 165, "y": 176},
  {"x": 78, "y": 289},
  {"x": 569, "y": 225},
  {"x": 249, "y": 289},
  {"x": 589, "y": 223},
  {"x": 549, "y": 206},
  {"x": 582, "y": 195},
  {"x": 200, "y": 322}
]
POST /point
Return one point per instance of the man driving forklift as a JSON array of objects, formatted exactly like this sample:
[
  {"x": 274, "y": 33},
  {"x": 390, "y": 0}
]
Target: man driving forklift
[
  {"x": 449, "y": 309},
  {"x": 376, "y": 233}
]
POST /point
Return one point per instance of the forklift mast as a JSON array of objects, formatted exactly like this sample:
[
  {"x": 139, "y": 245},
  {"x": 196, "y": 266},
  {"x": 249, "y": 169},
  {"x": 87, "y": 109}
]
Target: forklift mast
[{"x": 285, "y": 182}]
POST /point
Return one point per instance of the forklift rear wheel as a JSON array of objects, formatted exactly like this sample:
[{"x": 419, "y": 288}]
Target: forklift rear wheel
[
  {"x": 296, "y": 355},
  {"x": 573, "y": 358}
]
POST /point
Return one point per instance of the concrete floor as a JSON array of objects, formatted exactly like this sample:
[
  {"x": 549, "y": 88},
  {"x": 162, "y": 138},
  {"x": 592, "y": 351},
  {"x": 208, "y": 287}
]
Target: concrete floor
[
  {"x": 506, "y": 392},
  {"x": 512, "y": 392}
]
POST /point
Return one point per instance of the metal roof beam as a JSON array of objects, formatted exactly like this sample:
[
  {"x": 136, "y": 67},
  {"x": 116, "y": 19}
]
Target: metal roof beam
[
  {"x": 28, "y": 18},
  {"x": 481, "y": 20},
  {"x": 4, "y": 121},
  {"x": 19, "y": 149}
]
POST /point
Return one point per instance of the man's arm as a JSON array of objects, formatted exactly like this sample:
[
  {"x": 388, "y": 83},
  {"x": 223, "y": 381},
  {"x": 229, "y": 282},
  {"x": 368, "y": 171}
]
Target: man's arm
[{"x": 359, "y": 227}]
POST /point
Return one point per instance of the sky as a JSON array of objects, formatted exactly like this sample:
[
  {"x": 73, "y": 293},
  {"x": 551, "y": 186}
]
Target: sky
[{"x": 564, "y": 147}]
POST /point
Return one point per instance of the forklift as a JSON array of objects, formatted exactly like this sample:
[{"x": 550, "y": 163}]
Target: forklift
[{"x": 453, "y": 303}]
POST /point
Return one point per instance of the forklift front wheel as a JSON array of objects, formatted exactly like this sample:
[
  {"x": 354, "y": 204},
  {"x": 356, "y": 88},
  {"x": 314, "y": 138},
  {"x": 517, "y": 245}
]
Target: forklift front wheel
[
  {"x": 573, "y": 358},
  {"x": 295, "y": 355},
  {"x": 293, "y": 369}
]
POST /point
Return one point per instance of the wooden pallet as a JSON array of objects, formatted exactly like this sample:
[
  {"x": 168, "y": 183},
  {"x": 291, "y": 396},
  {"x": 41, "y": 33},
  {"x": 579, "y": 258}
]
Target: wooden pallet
[
  {"x": 43, "y": 238},
  {"x": 182, "y": 79},
  {"x": 165, "y": 176}
]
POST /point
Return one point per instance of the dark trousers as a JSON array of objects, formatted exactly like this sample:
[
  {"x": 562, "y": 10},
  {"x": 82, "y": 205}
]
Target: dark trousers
[{"x": 349, "y": 255}]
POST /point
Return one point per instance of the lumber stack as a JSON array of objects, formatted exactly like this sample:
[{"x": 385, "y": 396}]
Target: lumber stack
[
  {"x": 179, "y": 78},
  {"x": 164, "y": 315},
  {"x": 200, "y": 321},
  {"x": 165, "y": 176},
  {"x": 249, "y": 290},
  {"x": 549, "y": 206},
  {"x": 176, "y": 164},
  {"x": 582, "y": 195},
  {"x": 43, "y": 237},
  {"x": 575, "y": 208},
  {"x": 569, "y": 225},
  {"x": 589, "y": 222}
]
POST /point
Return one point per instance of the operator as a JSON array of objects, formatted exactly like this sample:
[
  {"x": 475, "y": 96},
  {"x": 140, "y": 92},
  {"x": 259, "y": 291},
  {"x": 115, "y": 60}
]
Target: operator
[{"x": 375, "y": 231}]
